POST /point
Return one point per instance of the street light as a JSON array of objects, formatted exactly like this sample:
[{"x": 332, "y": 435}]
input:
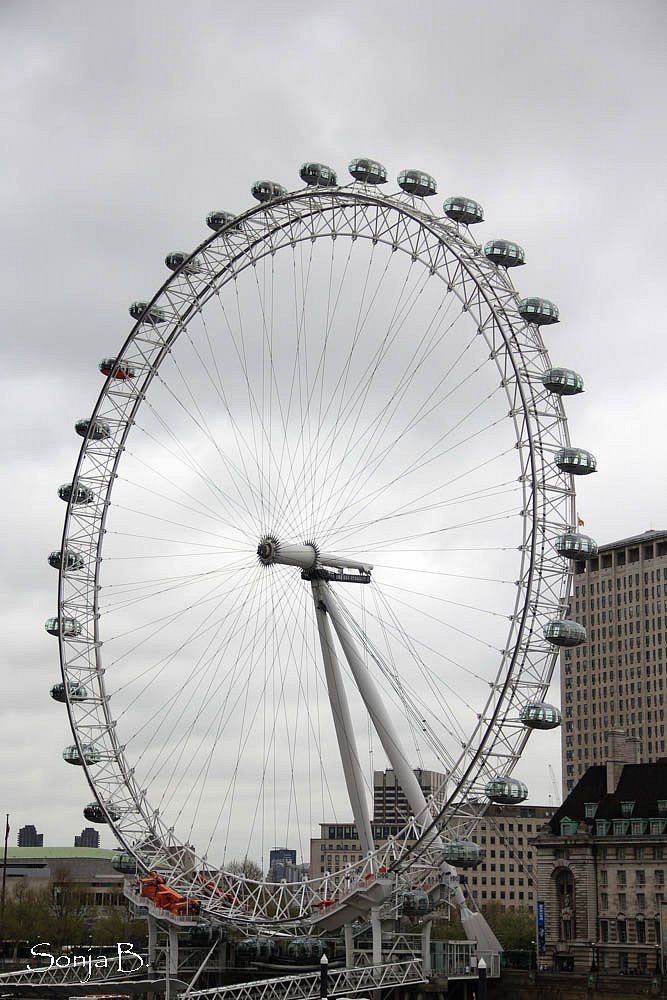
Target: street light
[
  {"x": 324, "y": 977},
  {"x": 658, "y": 963},
  {"x": 594, "y": 964},
  {"x": 481, "y": 980}
]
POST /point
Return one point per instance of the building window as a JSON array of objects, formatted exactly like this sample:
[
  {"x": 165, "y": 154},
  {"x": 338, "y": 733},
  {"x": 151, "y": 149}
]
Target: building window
[
  {"x": 622, "y": 931},
  {"x": 641, "y": 930}
]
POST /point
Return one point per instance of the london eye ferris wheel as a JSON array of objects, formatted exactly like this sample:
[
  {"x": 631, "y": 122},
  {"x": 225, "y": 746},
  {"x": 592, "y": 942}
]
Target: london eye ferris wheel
[{"x": 321, "y": 523}]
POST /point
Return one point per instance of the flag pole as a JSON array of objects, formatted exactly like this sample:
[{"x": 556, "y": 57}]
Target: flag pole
[{"x": 2, "y": 897}]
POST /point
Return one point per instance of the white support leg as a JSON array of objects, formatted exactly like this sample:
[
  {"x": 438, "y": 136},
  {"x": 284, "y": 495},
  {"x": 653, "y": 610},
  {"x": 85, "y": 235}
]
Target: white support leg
[
  {"x": 426, "y": 947},
  {"x": 376, "y": 927},
  {"x": 348, "y": 931},
  {"x": 379, "y": 715},
  {"x": 343, "y": 723},
  {"x": 152, "y": 942},
  {"x": 173, "y": 950}
]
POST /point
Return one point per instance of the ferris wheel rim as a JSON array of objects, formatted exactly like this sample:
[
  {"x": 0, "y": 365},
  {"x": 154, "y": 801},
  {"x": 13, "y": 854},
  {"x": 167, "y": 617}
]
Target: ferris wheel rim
[{"x": 348, "y": 196}]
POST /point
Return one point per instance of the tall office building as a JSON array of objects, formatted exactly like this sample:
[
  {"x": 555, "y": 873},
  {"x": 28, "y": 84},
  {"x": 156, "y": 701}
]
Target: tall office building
[
  {"x": 28, "y": 837},
  {"x": 282, "y": 861},
  {"x": 390, "y": 804},
  {"x": 89, "y": 837},
  {"x": 616, "y": 679}
]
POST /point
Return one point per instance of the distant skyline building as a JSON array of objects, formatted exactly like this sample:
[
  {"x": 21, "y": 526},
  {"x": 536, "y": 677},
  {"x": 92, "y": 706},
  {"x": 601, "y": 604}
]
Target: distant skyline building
[
  {"x": 28, "y": 837},
  {"x": 282, "y": 862},
  {"x": 616, "y": 679},
  {"x": 390, "y": 804},
  {"x": 89, "y": 837}
]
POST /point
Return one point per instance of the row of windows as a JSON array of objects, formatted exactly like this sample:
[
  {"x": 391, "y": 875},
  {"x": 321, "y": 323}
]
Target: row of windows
[
  {"x": 622, "y": 900},
  {"x": 622, "y": 930},
  {"x": 640, "y": 876}
]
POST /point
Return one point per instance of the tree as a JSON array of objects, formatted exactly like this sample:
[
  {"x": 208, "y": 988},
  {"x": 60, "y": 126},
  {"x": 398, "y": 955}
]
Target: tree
[
  {"x": 246, "y": 867},
  {"x": 448, "y": 930},
  {"x": 69, "y": 909},
  {"x": 515, "y": 929},
  {"x": 120, "y": 926}
]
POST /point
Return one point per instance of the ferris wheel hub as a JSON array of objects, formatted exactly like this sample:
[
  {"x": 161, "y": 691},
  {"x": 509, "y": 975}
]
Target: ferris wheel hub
[{"x": 306, "y": 556}]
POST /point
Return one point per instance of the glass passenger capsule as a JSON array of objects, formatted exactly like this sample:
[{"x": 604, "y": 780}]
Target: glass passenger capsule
[
  {"x": 571, "y": 545},
  {"x": 77, "y": 692},
  {"x": 539, "y": 715},
  {"x": 417, "y": 182},
  {"x": 89, "y": 755},
  {"x": 218, "y": 219},
  {"x": 565, "y": 633},
  {"x": 124, "y": 863},
  {"x": 563, "y": 381},
  {"x": 368, "y": 171},
  {"x": 69, "y": 559},
  {"x": 177, "y": 258},
  {"x": 99, "y": 429},
  {"x": 117, "y": 369},
  {"x": 262, "y": 947},
  {"x": 463, "y": 854},
  {"x": 504, "y": 253},
  {"x": 318, "y": 175},
  {"x": 463, "y": 210},
  {"x": 414, "y": 902},
  {"x": 267, "y": 190},
  {"x": 78, "y": 494},
  {"x": 96, "y": 814},
  {"x": 71, "y": 627},
  {"x": 506, "y": 791},
  {"x": 147, "y": 313},
  {"x": 576, "y": 460},
  {"x": 542, "y": 312}
]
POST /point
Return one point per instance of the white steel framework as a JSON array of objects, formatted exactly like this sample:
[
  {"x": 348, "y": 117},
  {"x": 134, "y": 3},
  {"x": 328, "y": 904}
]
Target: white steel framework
[{"x": 529, "y": 423}]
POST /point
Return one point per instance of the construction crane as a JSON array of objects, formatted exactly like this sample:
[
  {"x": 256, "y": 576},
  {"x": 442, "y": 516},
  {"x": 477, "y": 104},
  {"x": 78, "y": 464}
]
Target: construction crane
[{"x": 554, "y": 785}]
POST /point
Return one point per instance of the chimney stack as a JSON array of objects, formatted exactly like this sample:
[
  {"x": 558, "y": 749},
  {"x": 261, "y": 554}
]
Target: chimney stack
[{"x": 621, "y": 750}]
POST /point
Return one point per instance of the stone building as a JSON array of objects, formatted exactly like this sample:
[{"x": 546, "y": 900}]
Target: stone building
[{"x": 601, "y": 864}]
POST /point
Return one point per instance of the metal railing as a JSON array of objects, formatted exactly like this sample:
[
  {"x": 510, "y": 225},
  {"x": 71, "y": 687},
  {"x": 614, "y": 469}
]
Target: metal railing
[{"x": 341, "y": 982}]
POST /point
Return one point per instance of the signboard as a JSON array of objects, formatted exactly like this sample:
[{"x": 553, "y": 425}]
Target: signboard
[{"x": 541, "y": 941}]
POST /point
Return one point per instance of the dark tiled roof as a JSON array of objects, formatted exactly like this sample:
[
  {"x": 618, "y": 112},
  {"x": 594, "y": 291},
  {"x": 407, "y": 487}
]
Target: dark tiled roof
[
  {"x": 642, "y": 784},
  {"x": 646, "y": 536}
]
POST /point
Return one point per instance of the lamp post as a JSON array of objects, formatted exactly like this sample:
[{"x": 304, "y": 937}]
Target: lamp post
[
  {"x": 324, "y": 977},
  {"x": 658, "y": 963},
  {"x": 481, "y": 980},
  {"x": 594, "y": 963}
]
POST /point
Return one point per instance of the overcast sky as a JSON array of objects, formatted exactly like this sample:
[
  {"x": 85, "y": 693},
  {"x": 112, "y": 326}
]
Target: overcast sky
[{"x": 124, "y": 124}]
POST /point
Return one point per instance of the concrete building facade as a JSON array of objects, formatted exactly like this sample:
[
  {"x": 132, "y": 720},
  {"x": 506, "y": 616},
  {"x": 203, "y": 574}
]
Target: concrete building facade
[
  {"x": 86, "y": 870},
  {"x": 508, "y": 874},
  {"x": 617, "y": 678}
]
